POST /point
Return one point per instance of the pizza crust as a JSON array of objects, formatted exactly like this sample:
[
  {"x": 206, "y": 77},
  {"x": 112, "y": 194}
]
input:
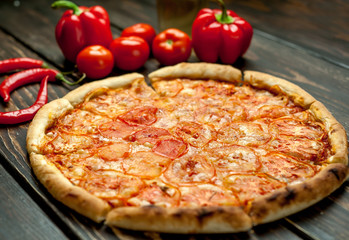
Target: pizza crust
[
  {"x": 180, "y": 220},
  {"x": 295, "y": 198},
  {"x": 225, "y": 219},
  {"x": 64, "y": 191},
  {"x": 279, "y": 85},
  {"x": 44, "y": 118},
  {"x": 78, "y": 95},
  {"x": 198, "y": 71},
  {"x": 336, "y": 133},
  {"x": 54, "y": 181}
]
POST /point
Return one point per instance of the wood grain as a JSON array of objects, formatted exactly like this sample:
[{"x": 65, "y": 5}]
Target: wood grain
[
  {"x": 320, "y": 27},
  {"x": 21, "y": 217}
]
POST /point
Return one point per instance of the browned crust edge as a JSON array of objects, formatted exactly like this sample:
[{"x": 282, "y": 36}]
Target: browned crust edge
[
  {"x": 294, "y": 198},
  {"x": 198, "y": 71},
  {"x": 78, "y": 95},
  {"x": 43, "y": 119},
  {"x": 277, "y": 85},
  {"x": 64, "y": 191},
  {"x": 336, "y": 132},
  {"x": 180, "y": 220},
  {"x": 47, "y": 173},
  {"x": 208, "y": 219}
]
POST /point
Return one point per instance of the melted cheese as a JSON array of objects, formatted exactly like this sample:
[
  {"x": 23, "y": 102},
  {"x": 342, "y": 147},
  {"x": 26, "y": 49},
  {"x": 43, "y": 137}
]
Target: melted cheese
[{"x": 217, "y": 144}]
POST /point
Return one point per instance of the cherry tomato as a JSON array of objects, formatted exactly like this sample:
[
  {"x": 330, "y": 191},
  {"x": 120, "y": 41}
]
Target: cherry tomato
[
  {"x": 130, "y": 53},
  {"x": 172, "y": 46},
  {"x": 95, "y": 61},
  {"x": 142, "y": 30}
]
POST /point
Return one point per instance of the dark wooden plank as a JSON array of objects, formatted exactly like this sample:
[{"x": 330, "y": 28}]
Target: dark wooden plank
[
  {"x": 319, "y": 26},
  {"x": 325, "y": 218},
  {"x": 21, "y": 217}
]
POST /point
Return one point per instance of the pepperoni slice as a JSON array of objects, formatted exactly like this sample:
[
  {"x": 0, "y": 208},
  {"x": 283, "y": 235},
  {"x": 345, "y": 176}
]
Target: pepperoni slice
[
  {"x": 236, "y": 111},
  {"x": 257, "y": 98},
  {"x": 115, "y": 129},
  {"x": 115, "y": 186},
  {"x": 63, "y": 143},
  {"x": 244, "y": 133},
  {"x": 286, "y": 168},
  {"x": 299, "y": 147},
  {"x": 114, "y": 151},
  {"x": 110, "y": 102},
  {"x": 160, "y": 195},
  {"x": 206, "y": 195},
  {"x": 149, "y": 135},
  {"x": 296, "y": 128},
  {"x": 190, "y": 169},
  {"x": 272, "y": 111},
  {"x": 235, "y": 159},
  {"x": 214, "y": 116},
  {"x": 88, "y": 122},
  {"x": 194, "y": 133},
  {"x": 145, "y": 164},
  {"x": 168, "y": 88},
  {"x": 249, "y": 186},
  {"x": 212, "y": 88},
  {"x": 171, "y": 148},
  {"x": 140, "y": 90},
  {"x": 140, "y": 116}
]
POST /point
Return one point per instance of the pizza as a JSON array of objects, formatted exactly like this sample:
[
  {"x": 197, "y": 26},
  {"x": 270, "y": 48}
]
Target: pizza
[{"x": 200, "y": 148}]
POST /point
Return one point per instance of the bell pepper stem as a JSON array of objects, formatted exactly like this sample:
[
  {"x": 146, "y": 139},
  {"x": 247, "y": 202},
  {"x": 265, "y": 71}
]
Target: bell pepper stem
[
  {"x": 223, "y": 17},
  {"x": 67, "y": 4}
]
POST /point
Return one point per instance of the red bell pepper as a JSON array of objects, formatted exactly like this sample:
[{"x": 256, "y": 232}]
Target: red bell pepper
[
  {"x": 80, "y": 27},
  {"x": 220, "y": 35}
]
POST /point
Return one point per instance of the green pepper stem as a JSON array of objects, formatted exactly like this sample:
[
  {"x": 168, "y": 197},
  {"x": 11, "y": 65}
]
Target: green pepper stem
[
  {"x": 67, "y": 4},
  {"x": 60, "y": 77},
  {"x": 223, "y": 17}
]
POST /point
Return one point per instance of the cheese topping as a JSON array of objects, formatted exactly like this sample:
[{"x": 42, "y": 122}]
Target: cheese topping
[{"x": 188, "y": 143}]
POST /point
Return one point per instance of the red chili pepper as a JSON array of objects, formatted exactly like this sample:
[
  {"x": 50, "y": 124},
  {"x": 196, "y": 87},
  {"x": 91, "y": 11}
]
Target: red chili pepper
[
  {"x": 80, "y": 27},
  {"x": 29, "y": 76},
  {"x": 27, "y": 114},
  {"x": 220, "y": 34},
  {"x": 20, "y": 63}
]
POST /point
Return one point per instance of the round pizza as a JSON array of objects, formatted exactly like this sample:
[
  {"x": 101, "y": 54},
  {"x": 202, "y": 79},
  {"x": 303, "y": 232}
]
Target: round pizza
[{"x": 200, "y": 148}]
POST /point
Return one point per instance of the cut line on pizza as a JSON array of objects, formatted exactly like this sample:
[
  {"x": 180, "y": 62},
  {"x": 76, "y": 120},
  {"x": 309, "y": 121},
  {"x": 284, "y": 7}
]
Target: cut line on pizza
[{"x": 202, "y": 150}]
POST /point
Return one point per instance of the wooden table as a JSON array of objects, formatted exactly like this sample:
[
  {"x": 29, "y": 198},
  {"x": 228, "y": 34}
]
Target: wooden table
[{"x": 306, "y": 42}]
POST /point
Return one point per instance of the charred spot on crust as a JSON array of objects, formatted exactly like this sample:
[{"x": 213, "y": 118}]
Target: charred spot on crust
[
  {"x": 273, "y": 197},
  {"x": 204, "y": 213},
  {"x": 333, "y": 130},
  {"x": 290, "y": 195},
  {"x": 334, "y": 171},
  {"x": 153, "y": 209},
  {"x": 72, "y": 195},
  {"x": 179, "y": 213},
  {"x": 262, "y": 211},
  {"x": 306, "y": 187}
]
